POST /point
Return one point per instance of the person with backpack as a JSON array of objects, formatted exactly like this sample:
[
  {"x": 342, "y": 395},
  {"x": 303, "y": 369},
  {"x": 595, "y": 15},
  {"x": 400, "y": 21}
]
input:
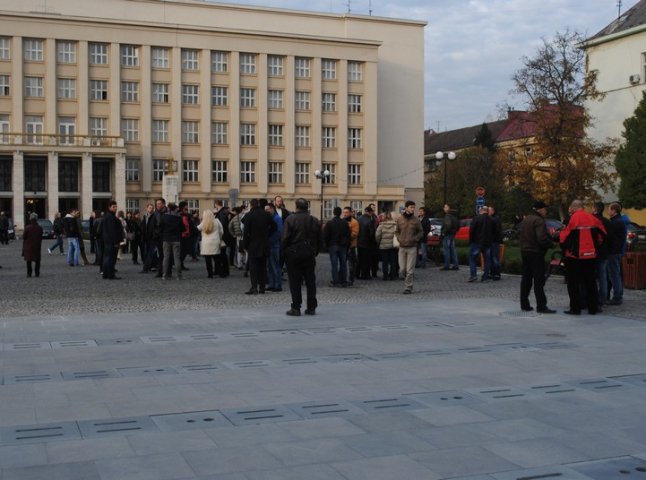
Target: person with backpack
[
  {"x": 450, "y": 226},
  {"x": 580, "y": 241}
]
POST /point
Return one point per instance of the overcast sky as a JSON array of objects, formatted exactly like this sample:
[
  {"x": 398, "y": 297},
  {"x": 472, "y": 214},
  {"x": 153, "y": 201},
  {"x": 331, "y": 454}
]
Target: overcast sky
[{"x": 473, "y": 46}]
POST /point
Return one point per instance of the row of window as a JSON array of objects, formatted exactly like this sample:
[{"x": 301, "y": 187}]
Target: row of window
[
  {"x": 220, "y": 174},
  {"x": 34, "y": 129},
  {"x": 98, "y": 91},
  {"x": 66, "y": 53}
]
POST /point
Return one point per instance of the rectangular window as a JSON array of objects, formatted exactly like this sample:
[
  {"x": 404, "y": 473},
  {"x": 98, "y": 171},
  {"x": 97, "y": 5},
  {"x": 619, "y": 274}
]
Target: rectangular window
[
  {"x": 275, "y": 135},
  {"x": 190, "y": 94},
  {"x": 132, "y": 169},
  {"x": 354, "y": 138},
  {"x": 160, "y": 93},
  {"x": 247, "y": 172},
  {"x": 275, "y": 99},
  {"x": 247, "y": 63},
  {"x": 66, "y": 88},
  {"x": 302, "y": 173},
  {"x": 302, "y": 100},
  {"x": 275, "y": 66},
  {"x": 6, "y": 174},
  {"x": 67, "y": 130},
  {"x": 354, "y": 72},
  {"x": 132, "y": 205},
  {"x": 160, "y": 57},
  {"x": 4, "y": 85},
  {"x": 35, "y": 175},
  {"x": 219, "y": 62},
  {"x": 190, "y": 170},
  {"x": 356, "y": 206},
  {"x": 130, "y": 129},
  {"x": 98, "y": 90},
  {"x": 330, "y": 167},
  {"x": 190, "y": 132},
  {"x": 129, "y": 56},
  {"x": 328, "y": 208},
  {"x": 219, "y": 172},
  {"x": 302, "y": 67},
  {"x": 302, "y": 136},
  {"x": 33, "y": 49},
  {"x": 275, "y": 172},
  {"x": 98, "y": 126},
  {"x": 219, "y": 133},
  {"x": 158, "y": 170},
  {"x": 354, "y": 174},
  {"x": 65, "y": 51},
  {"x": 190, "y": 59},
  {"x": 354, "y": 103},
  {"x": 219, "y": 96},
  {"x": 130, "y": 92},
  {"x": 34, "y": 129},
  {"x": 329, "y": 102},
  {"x": 34, "y": 87},
  {"x": 5, "y": 48},
  {"x": 4, "y": 138},
  {"x": 247, "y": 97},
  {"x": 160, "y": 131},
  {"x": 193, "y": 205},
  {"x": 328, "y": 69},
  {"x": 329, "y": 137},
  {"x": 98, "y": 53},
  {"x": 247, "y": 134}
]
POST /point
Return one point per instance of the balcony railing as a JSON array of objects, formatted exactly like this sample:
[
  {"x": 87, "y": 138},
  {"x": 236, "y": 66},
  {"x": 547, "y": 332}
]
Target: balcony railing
[{"x": 55, "y": 140}]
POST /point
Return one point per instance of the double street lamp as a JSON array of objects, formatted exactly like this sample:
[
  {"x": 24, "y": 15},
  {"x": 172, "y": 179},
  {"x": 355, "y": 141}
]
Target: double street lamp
[
  {"x": 322, "y": 176},
  {"x": 439, "y": 156}
]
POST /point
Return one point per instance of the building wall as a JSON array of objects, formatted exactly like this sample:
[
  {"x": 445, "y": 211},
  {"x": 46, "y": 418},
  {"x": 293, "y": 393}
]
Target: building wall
[{"x": 389, "y": 54}]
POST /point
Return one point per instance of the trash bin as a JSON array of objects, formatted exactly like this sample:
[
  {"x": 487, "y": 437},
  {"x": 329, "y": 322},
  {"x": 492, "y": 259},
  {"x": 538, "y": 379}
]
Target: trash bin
[{"x": 634, "y": 267}]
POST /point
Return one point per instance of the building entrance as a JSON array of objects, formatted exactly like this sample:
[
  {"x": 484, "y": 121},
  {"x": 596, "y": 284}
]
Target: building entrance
[{"x": 35, "y": 205}]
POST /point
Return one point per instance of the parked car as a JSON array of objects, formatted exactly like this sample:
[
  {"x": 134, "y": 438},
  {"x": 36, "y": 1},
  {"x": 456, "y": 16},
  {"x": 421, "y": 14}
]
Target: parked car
[
  {"x": 12, "y": 230},
  {"x": 47, "y": 226},
  {"x": 434, "y": 237},
  {"x": 463, "y": 231},
  {"x": 635, "y": 234},
  {"x": 553, "y": 227}
]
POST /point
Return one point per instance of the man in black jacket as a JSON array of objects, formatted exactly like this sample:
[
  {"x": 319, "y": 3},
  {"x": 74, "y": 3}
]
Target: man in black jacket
[
  {"x": 258, "y": 226},
  {"x": 534, "y": 242},
  {"x": 495, "y": 246},
  {"x": 616, "y": 245},
  {"x": 148, "y": 238},
  {"x": 111, "y": 233},
  {"x": 160, "y": 210},
  {"x": 366, "y": 243},
  {"x": 481, "y": 232},
  {"x": 300, "y": 244},
  {"x": 337, "y": 238},
  {"x": 602, "y": 254},
  {"x": 171, "y": 227},
  {"x": 450, "y": 226}
]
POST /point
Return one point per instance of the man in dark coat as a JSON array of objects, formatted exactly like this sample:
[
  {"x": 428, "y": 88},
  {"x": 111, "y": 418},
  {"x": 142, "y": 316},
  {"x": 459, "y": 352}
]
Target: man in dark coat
[
  {"x": 616, "y": 246},
  {"x": 481, "y": 237},
  {"x": 4, "y": 228},
  {"x": 258, "y": 226},
  {"x": 337, "y": 238},
  {"x": 32, "y": 240},
  {"x": 224, "y": 260},
  {"x": 300, "y": 244},
  {"x": 111, "y": 232},
  {"x": 160, "y": 210},
  {"x": 366, "y": 243},
  {"x": 148, "y": 238},
  {"x": 171, "y": 228}
]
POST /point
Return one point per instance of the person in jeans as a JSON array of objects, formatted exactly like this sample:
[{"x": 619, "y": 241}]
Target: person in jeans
[
  {"x": 57, "y": 229},
  {"x": 336, "y": 235},
  {"x": 481, "y": 232},
  {"x": 450, "y": 226},
  {"x": 348, "y": 216},
  {"x": 385, "y": 238},
  {"x": 409, "y": 232},
  {"x": 274, "y": 270},
  {"x": 70, "y": 226},
  {"x": 616, "y": 248},
  {"x": 170, "y": 230},
  {"x": 495, "y": 246},
  {"x": 111, "y": 233},
  {"x": 602, "y": 254}
]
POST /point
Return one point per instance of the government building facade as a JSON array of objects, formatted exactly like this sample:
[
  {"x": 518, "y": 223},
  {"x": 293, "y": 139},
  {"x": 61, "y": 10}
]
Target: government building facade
[{"x": 101, "y": 99}]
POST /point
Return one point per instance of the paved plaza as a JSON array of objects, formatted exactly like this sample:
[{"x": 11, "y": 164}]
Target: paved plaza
[{"x": 145, "y": 379}]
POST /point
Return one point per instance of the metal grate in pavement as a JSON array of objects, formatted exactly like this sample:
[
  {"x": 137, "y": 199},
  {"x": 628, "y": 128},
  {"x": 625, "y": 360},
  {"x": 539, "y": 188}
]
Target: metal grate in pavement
[
  {"x": 32, "y": 378},
  {"x": 117, "y": 341},
  {"x": 160, "y": 339},
  {"x": 258, "y": 415},
  {"x": 637, "y": 379},
  {"x": 119, "y": 426},
  {"x": 39, "y": 433},
  {"x": 389, "y": 404},
  {"x": 199, "y": 367},
  {"x": 615, "y": 469},
  {"x": 249, "y": 364},
  {"x": 298, "y": 361},
  {"x": 599, "y": 385},
  {"x": 392, "y": 355},
  {"x": 8, "y": 347},
  {"x": 74, "y": 344},
  {"x": 552, "y": 389},
  {"x": 138, "y": 371},
  {"x": 325, "y": 409},
  {"x": 500, "y": 393},
  {"x": 192, "y": 420},
  {"x": 108, "y": 373},
  {"x": 344, "y": 357},
  {"x": 445, "y": 398}
]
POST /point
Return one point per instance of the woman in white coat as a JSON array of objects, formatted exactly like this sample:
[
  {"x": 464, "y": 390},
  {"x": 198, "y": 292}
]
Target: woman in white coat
[{"x": 212, "y": 233}]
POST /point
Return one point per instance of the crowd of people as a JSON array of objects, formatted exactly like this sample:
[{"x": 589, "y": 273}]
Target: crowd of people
[{"x": 265, "y": 239}]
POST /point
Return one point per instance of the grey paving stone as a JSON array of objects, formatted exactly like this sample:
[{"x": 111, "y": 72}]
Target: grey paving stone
[
  {"x": 309, "y": 472},
  {"x": 231, "y": 460},
  {"x": 463, "y": 461},
  {"x": 190, "y": 421},
  {"x": 321, "y": 428},
  {"x": 612, "y": 469},
  {"x": 451, "y": 416},
  {"x": 537, "y": 452},
  {"x": 116, "y": 426},
  {"x": 249, "y": 435},
  {"x": 23, "y": 455},
  {"x": 386, "y": 422},
  {"x": 456, "y": 435},
  {"x": 68, "y": 471},
  {"x": 38, "y": 433},
  {"x": 386, "y": 444},
  {"x": 385, "y": 468},
  {"x": 520, "y": 429},
  {"x": 167, "y": 466},
  {"x": 161, "y": 442},
  {"x": 311, "y": 451},
  {"x": 560, "y": 472},
  {"x": 87, "y": 450}
]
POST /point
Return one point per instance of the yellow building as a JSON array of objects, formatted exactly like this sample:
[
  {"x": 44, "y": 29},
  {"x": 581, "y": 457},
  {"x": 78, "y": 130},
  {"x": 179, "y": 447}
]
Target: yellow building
[{"x": 100, "y": 98}]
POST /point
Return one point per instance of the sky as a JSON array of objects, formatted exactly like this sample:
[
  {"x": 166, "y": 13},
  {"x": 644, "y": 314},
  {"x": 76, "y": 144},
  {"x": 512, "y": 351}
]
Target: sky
[{"x": 473, "y": 47}]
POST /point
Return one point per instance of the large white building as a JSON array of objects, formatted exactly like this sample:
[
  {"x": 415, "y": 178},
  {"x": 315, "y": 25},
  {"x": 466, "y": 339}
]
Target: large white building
[{"x": 100, "y": 98}]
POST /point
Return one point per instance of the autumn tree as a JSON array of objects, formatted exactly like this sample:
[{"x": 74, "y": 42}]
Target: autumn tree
[
  {"x": 563, "y": 164},
  {"x": 631, "y": 159}
]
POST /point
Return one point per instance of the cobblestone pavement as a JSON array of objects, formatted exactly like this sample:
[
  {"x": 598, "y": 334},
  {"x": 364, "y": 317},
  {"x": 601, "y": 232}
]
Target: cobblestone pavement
[{"x": 65, "y": 290}]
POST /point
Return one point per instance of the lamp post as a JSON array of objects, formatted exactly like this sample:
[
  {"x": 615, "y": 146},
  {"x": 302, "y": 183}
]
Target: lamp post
[
  {"x": 439, "y": 156},
  {"x": 322, "y": 176}
]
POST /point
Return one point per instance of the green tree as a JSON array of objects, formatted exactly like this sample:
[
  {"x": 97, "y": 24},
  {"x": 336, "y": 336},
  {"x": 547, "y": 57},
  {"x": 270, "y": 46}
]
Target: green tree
[
  {"x": 484, "y": 138},
  {"x": 564, "y": 164},
  {"x": 631, "y": 159}
]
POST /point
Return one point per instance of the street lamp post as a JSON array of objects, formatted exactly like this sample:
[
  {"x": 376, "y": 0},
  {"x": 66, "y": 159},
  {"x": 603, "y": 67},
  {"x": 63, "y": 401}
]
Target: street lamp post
[
  {"x": 439, "y": 156},
  {"x": 322, "y": 176}
]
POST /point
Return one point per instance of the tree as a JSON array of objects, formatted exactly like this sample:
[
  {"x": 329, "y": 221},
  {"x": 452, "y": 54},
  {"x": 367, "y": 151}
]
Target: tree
[
  {"x": 631, "y": 159},
  {"x": 484, "y": 138},
  {"x": 563, "y": 164}
]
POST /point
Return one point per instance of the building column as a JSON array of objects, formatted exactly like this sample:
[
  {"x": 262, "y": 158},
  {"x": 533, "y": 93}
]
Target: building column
[
  {"x": 114, "y": 85},
  {"x": 370, "y": 170},
  {"x": 86, "y": 185},
  {"x": 316, "y": 132},
  {"x": 17, "y": 121},
  {"x": 205, "y": 123},
  {"x": 145, "y": 121},
  {"x": 52, "y": 184},
  {"x": 51, "y": 124},
  {"x": 342, "y": 134},
  {"x": 83, "y": 89},
  {"x": 18, "y": 187},
  {"x": 289, "y": 137},
  {"x": 262, "y": 140},
  {"x": 234, "y": 125},
  {"x": 176, "y": 111},
  {"x": 119, "y": 190}
]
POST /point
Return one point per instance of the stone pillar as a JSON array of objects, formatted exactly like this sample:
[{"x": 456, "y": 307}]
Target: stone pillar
[
  {"x": 176, "y": 111},
  {"x": 234, "y": 125},
  {"x": 17, "y": 120},
  {"x": 289, "y": 134},
  {"x": 51, "y": 124},
  {"x": 18, "y": 187},
  {"x": 145, "y": 122},
  {"x": 342, "y": 129},
  {"x": 82, "y": 89},
  {"x": 52, "y": 184},
  {"x": 369, "y": 140},
  {"x": 86, "y": 185},
  {"x": 205, "y": 122},
  {"x": 316, "y": 132},
  {"x": 262, "y": 141},
  {"x": 119, "y": 190}
]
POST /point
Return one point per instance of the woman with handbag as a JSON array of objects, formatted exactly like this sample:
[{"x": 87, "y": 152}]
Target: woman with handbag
[{"x": 212, "y": 233}]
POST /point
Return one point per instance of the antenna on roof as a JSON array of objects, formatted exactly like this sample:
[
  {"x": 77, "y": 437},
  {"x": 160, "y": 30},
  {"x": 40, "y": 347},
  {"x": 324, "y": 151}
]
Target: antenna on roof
[
  {"x": 349, "y": 6},
  {"x": 619, "y": 2},
  {"x": 370, "y": 7}
]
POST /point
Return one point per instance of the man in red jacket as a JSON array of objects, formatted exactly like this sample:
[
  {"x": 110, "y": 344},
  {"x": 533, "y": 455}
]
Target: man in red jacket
[{"x": 580, "y": 241}]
